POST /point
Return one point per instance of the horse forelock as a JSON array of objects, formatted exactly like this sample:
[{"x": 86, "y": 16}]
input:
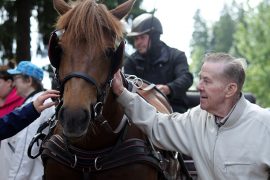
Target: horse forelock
[{"x": 92, "y": 24}]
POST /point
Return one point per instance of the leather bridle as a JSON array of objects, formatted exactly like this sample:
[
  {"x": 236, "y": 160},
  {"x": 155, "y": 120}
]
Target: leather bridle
[{"x": 55, "y": 52}]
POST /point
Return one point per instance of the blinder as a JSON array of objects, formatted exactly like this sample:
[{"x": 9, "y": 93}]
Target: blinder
[
  {"x": 118, "y": 57},
  {"x": 55, "y": 52}
]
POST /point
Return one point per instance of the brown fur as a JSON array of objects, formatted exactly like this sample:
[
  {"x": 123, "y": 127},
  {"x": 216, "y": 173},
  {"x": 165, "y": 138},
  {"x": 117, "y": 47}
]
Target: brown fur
[
  {"x": 90, "y": 23},
  {"x": 90, "y": 29}
]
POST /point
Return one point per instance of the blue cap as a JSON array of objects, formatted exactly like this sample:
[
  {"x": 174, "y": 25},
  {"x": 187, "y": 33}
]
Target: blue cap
[{"x": 27, "y": 68}]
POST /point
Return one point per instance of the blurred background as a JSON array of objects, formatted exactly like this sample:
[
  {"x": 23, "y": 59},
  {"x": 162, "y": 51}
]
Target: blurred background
[{"x": 239, "y": 27}]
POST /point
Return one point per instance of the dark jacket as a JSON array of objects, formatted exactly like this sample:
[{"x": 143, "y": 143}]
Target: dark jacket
[
  {"x": 170, "y": 68},
  {"x": 16, "y": 120}
]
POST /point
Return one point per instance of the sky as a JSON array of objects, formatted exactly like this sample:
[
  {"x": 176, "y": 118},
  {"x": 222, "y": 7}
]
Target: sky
[{"x": 176, "y": 17}]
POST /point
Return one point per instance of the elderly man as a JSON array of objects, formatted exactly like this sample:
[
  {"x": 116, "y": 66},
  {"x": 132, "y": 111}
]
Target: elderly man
[{"x": 226, "y": 135}]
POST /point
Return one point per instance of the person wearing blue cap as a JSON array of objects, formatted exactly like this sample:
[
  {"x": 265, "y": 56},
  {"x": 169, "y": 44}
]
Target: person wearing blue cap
[
  {"x": 16, "y": 120},
  {"x": 27, "y": 78},
  {"x": 14, "y": 161}
]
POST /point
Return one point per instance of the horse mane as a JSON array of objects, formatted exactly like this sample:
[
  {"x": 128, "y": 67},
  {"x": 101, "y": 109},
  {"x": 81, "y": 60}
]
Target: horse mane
[{"x": 91, "y": 24}]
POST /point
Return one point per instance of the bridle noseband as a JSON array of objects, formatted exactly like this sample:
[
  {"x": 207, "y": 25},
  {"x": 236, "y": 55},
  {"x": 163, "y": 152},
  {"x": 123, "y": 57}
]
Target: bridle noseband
[{"x": 85, "y": 77}]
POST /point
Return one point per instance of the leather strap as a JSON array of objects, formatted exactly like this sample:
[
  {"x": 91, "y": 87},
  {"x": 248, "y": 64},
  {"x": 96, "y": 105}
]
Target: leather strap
[{"x": 130, "y": 151}]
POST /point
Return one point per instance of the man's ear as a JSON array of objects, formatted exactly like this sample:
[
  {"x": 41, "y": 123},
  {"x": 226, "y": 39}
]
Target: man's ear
[{"x": 231, "y": 89}]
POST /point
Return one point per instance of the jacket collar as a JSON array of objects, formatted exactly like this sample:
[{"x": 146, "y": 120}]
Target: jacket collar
[{"x": 235, "y": 116}]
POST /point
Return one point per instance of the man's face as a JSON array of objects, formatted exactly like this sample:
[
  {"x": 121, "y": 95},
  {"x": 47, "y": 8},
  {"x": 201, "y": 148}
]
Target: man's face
[
  {"x": 141, "y": 43},
  {"x": 212, "y": 87}
]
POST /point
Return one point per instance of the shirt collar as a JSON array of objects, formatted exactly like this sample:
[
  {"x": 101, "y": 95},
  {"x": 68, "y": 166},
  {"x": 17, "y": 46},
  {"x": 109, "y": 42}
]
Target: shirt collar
[{"x": 221, "y": 121}]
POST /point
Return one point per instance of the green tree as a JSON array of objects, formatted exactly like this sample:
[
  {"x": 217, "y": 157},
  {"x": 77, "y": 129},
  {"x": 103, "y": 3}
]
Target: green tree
[
  {"x": 223, "y": 30},
  {"x": 242, "y": 32},
  {"x": 252, "y": 39},
  {"x": 15, "y": 25},
  {"x": 218, "y": 37},
  {"x": 199, "y": 44}
]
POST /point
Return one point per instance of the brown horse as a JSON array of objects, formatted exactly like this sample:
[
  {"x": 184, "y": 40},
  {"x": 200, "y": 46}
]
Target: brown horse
[{"x": 92, "y": 138}]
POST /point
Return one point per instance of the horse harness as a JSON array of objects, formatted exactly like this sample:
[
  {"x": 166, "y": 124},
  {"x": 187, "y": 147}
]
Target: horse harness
[
  {"x": 90, "y": 162},
  {"x": 122, "y": 153},
  {"x": 55, "y": 52}
]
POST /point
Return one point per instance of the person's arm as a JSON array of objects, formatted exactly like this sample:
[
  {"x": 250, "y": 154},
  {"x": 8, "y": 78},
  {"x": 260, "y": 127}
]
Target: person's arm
[
  {"x": 167, "y": 131},
  {"x": 18, "y": 119}
]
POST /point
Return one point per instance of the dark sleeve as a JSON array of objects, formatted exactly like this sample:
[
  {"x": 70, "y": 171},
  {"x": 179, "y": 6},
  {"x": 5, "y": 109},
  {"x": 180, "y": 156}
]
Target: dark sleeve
[
  {"x": 17, "y": 120},
  {"x": 183, "y": 78},
  {"x": 129, "y": 66}
]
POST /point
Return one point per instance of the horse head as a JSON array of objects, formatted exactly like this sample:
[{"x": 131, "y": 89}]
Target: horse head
[{"x": 86, "y": 50}]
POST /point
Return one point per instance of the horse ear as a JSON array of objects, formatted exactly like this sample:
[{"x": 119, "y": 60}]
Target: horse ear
[
  {"x": 123, "y": 9},
  {"x": 61, "y": 6}
]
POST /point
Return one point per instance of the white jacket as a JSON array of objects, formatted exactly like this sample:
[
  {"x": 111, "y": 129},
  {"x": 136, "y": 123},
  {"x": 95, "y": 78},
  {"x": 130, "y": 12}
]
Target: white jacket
[
  {"x": 14, "y": 161},
  {"x": 238, "y": 150}
]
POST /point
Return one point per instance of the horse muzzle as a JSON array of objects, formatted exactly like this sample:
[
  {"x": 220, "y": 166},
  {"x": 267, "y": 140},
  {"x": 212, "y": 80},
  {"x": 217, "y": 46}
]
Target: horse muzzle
[{"x": 75, "y": 122}]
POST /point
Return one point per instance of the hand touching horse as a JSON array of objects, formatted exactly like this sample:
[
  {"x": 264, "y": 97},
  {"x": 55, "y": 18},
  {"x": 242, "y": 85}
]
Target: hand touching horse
[{"x": 93, "y": 139}]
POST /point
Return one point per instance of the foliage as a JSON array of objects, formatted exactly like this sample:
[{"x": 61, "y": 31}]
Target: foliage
[
  {"x": 223, "y": 31},
  {"x": 46, "y": 17},
  {"x": 199, "y": 44},
  {"x": 252, "y": 40},
  {"x": 243, "y": 33},
  {"x": 218, "y": 38},
  {"x": 7, "y": 28}
]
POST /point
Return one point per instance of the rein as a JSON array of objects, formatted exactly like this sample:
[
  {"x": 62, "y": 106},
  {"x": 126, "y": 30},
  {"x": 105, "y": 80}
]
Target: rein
[
  {"x": 101, "y": 91},
  {"x": 51, "y": 123},
  {"x": 55, "y": 52},
  {"x": 124, "y": 152},
  {"x": 85, "y": 77}
]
